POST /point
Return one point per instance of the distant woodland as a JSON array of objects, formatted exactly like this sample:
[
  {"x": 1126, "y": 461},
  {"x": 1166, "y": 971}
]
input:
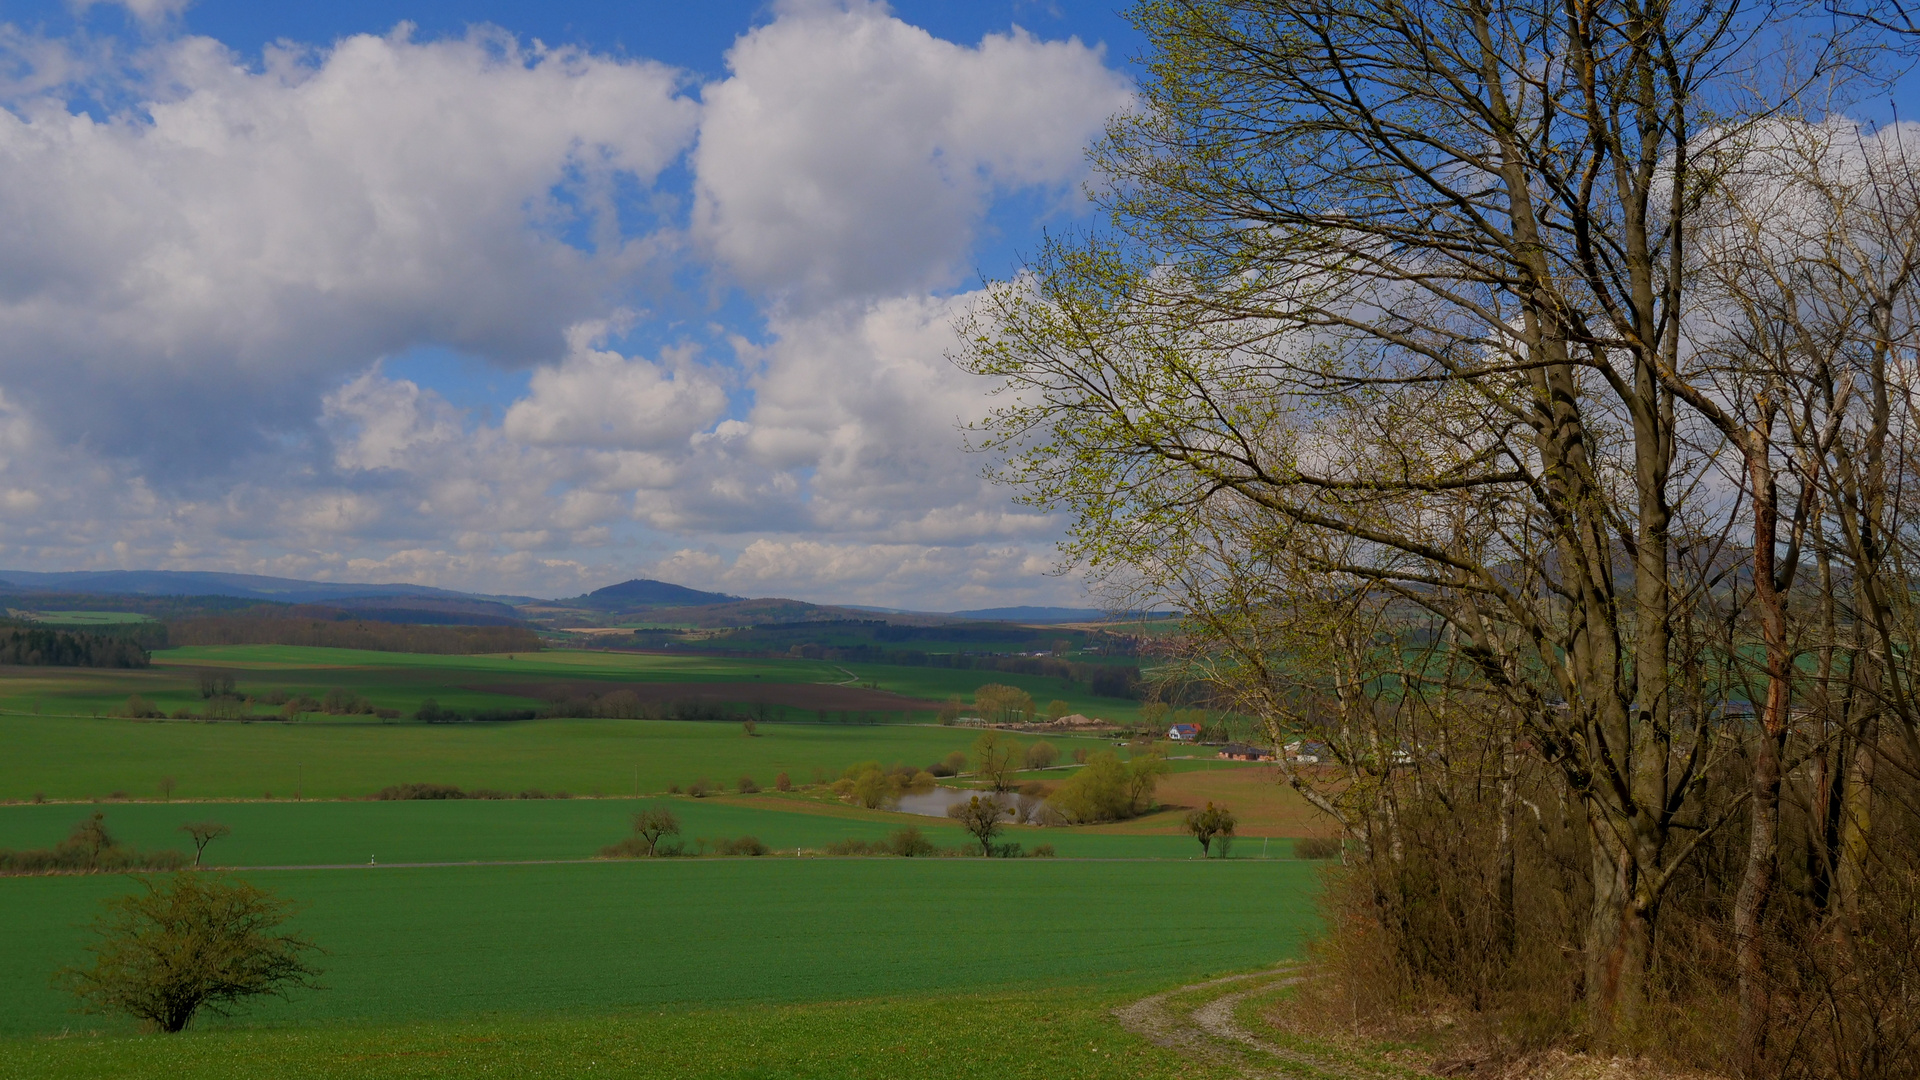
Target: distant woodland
[
  {"x": 380, "y": 636},
  {"x": 65, "y": 648}
]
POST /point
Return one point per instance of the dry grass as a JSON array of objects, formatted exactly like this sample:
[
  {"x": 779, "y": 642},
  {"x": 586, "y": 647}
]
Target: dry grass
[{"x": 1264, "y": 805}]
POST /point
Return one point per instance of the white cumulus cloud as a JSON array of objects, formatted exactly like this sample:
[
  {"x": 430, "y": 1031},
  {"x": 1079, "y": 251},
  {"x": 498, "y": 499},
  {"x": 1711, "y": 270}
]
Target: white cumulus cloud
[{"x": 850, "y": 153}]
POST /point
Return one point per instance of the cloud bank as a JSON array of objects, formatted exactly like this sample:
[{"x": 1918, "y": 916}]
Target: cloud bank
[{"x": 726, "y": 307}]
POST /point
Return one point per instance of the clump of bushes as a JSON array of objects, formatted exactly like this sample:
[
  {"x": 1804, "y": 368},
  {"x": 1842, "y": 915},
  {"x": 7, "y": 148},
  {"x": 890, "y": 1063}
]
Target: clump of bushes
[
  {"x": 747, "y": 786},
  {"x": 868, "y": 784},
  {"x": 1317, "y": 847},
  {"x": 430, "y": 711},
  {"x": 399, "y": 792},
  {"x": 746, "y": 845},
  {"x": 907, "y": 843},
  {"x": 139, "y": 708},
  {"x": 89, "y": 848},
  {"x": 783, "y": 782},
  {"x": 1109, "y": 789}
]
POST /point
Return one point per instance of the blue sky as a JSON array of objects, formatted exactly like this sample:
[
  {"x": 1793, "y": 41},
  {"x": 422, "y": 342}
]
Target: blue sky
[{"x": 529, "y": 298}]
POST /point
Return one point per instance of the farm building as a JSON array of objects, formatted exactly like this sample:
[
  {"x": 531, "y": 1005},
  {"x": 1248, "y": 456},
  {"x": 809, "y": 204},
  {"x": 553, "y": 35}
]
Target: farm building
[
  {"x": 1243, "y": 752},
  {"x": 1183, "y": 732}
]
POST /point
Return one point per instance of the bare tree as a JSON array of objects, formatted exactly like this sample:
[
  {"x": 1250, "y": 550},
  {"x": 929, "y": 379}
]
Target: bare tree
[
  {"x": 203, "y": 833},
  {"x": 981, "y": 817},
  {"x": 1395, "y": 318}
]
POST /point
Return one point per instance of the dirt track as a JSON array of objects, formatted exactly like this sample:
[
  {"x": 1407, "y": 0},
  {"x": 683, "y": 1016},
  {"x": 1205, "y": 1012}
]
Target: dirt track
[
  {"x": 754, "y": 692},
  {"x": 1206, "y": 1031}
]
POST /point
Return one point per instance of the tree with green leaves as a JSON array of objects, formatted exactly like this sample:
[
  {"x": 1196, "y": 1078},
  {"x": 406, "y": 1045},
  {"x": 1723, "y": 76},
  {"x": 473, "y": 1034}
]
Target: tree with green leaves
[
  {"x": 1210, "y": 822},
  {"x": 190, "y": 942}
]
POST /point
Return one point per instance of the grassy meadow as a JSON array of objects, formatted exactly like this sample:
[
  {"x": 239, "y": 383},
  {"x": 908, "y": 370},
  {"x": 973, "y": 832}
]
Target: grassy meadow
[
  {"x": 448, "y": 942},
  {"x": 330, "y": 833},
  {"x": 88, "y": 758},
  {"x": 528, "y": 956}
]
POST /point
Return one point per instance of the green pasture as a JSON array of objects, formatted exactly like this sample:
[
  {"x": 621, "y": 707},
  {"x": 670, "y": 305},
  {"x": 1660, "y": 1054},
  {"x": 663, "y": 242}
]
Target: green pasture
[
  {"x": 1012, "y": 1033},
  {"x": 328, "y": 833},
  {"x": 85, "y": 758},
  {"x": 437, "y": 943},
  {"x": 938, "y": 684},
  {"x": 402, "y": 680},
  {"x": 87, "y": 618}
]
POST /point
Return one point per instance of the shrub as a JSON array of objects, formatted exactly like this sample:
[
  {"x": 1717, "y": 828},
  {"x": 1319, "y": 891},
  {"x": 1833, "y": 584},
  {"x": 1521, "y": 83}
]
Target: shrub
[
  {"x": 747, "y": 786},
  {"x": 632, "y": 847},
  {"x": 399, "y": 792},
  {"x": 1041, "y": 755},
  {"x": 197, "y": 941},
  {"x": 1079, "y": 755},
  {"x": 89, "y": 847},
  {"x": 180, "y": 714},
  {"x": 1316, "y": 847},
  {"x": 871, "y": 788},
  {"x": 1057, "y": 709},
  {"x": 1043, "y": 851},
  {"x": 699, "y": 788},
  {"x": 746, "y": 845},
  {"x": 857, "y": 847},
  {"x": 949, "y": 712},
  {"x": 782, "y": 782},
  {"x": 909, "y": 843},
  {"x": 1097, "y": 792},
  {"x": 215, "y": 684},
  {"x": 140, "y": 708}
]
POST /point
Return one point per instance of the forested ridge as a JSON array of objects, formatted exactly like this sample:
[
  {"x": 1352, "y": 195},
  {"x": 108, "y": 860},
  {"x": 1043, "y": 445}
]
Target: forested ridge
[{"x": 39, "y": 647}]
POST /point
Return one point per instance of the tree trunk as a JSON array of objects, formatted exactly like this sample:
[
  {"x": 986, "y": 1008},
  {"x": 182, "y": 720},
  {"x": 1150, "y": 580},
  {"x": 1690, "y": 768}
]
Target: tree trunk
[{"x": 1763, "y": 844}]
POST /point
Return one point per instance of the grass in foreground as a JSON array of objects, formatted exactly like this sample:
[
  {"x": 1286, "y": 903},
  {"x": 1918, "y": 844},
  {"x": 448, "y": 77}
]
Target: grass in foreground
[
  {"x": 449, "y": 942},
  {"x": 1017, "y": 1032}
]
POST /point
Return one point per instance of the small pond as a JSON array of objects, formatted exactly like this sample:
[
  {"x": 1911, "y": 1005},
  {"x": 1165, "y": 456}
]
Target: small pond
[{"x": 934, "y": 803}]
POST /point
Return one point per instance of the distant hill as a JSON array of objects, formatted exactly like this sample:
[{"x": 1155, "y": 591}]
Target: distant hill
[
  {"x": 646, "y": 593},
  {"x": 1033, "y": 614},
  {"x": 205, "y": 583}
]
